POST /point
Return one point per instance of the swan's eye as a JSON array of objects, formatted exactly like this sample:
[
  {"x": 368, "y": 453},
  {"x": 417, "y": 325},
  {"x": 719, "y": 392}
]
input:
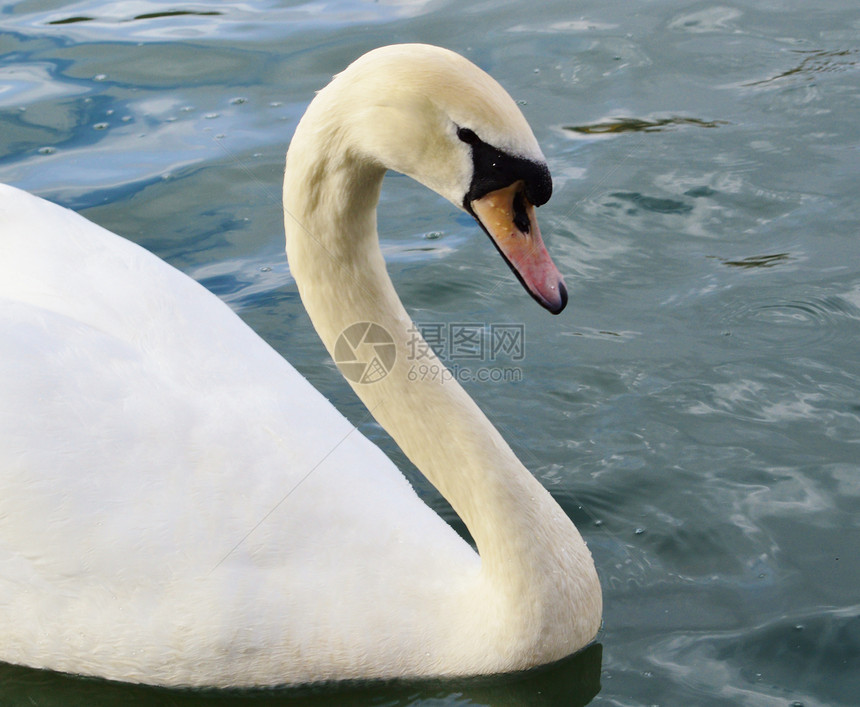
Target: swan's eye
[{"x": 467, "y": 136}]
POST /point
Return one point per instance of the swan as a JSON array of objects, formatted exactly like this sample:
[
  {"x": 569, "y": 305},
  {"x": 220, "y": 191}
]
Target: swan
[{"x": 180, "y": 507}]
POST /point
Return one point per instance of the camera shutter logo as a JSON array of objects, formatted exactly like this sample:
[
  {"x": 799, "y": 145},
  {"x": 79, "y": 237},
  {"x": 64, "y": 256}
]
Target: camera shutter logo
[{"x": 365, "y": 352}]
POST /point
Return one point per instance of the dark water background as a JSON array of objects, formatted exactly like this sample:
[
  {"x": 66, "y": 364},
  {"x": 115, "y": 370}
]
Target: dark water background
[{"x": 696, "y": 409}]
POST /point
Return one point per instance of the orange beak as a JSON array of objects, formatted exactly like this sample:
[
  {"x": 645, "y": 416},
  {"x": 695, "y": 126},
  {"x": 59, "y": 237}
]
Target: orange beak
[{"x": 509, "y": 219}]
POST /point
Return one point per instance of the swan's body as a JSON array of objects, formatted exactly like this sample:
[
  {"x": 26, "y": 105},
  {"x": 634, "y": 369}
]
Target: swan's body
[{"x": 179, "y": 506}]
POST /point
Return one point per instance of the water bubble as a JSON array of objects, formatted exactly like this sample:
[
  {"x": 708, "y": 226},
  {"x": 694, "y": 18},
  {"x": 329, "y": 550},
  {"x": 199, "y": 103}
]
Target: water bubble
[
  {"x": 639, "y": 531},
  {"x": 212, "y": 116},
  {"x": 100, "y": 77},
  {"x": 47, "y": 150},
  {"x": 100, "y": 126},
  {"x": 238, "y": 101}
]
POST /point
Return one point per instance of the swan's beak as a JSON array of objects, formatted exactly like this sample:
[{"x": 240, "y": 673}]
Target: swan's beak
[{"x": 509, "y": 219}]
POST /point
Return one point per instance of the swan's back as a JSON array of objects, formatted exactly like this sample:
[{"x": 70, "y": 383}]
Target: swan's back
[{"x": 163, "y": 469}]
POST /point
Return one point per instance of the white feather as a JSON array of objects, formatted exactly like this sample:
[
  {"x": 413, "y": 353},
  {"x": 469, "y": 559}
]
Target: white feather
[{"x": 179, "y": 506}]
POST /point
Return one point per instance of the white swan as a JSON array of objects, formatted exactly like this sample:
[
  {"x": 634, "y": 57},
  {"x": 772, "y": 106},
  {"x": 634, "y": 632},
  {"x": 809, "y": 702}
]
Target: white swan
[{"x": 179, "y": 506}]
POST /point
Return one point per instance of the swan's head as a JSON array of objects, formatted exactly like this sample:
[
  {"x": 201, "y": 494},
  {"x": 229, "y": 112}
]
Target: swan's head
[{"x": 431, "y": 114}]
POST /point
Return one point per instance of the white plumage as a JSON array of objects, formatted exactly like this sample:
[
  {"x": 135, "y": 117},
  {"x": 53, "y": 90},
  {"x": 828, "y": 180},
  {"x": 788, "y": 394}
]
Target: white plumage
[{"x": 179, "y": 506}]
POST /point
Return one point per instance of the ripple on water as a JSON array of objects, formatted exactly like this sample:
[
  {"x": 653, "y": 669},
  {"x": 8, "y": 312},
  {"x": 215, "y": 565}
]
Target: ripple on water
[
  {"x": 801, "y": 659},
  {"x": 787, "y": 326}
]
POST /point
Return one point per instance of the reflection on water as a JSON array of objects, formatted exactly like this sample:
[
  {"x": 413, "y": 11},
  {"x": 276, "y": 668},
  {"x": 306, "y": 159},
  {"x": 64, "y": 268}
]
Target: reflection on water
[
  {"x": 155, "y": 20},
  {"x": 625, "y": 125},
  {"x": 815, "y": 61},
  {"x": 573, "y": 682},
  {"x": 758, "y": 261},
  {"x": 145, "y": 16}
]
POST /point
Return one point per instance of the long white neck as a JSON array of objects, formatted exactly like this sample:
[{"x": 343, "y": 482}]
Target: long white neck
[{"x": 532, "y": 557}]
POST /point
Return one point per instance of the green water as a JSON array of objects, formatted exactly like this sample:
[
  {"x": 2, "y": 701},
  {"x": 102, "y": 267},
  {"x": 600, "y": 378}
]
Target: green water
[{"x": 696, "y": 409}]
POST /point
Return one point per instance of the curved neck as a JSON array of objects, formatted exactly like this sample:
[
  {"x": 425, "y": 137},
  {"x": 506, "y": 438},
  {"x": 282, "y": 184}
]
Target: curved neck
[{"x": 530, "y": 551}]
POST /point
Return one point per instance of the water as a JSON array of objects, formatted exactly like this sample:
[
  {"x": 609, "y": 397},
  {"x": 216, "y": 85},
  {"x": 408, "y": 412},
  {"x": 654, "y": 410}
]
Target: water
[{"x": 696, "y": 409}]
